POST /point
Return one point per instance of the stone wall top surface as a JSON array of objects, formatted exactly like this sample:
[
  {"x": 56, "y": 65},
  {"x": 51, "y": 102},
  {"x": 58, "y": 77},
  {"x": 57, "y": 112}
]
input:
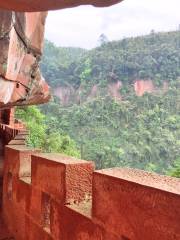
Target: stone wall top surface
[
  {"x": 161, "y": 182},
  {"x": 20, "y": 148},
  {"x": 60, "y": 158}
]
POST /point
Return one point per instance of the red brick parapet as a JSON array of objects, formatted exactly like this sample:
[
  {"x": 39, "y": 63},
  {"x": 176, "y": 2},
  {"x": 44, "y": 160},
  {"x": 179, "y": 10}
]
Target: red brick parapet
[
  {"x": 11, "y": 127},
  {"x": 51, "y": 196}
]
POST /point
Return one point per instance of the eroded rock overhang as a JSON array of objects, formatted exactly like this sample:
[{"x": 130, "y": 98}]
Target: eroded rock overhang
[
  {"x": 45, "y": 5},
  {"x": 21, "y": 43}
]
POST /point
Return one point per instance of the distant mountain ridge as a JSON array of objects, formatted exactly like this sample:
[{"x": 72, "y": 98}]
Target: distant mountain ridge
[{"x": 142, "y": 64}]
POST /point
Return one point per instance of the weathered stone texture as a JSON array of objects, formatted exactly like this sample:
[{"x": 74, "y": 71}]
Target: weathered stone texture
[
  {"x": 53, "y": 200},
  {"x": 53, "y": 197},
  {"x": 141, "y": 205},
  {"x": 44, "y": 5},
  {"x": 21, "y": 43}
]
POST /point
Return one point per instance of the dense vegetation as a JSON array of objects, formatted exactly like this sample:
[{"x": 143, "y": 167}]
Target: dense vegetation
[
  {"x": 43, "y": 134},
  {"x": 155, "y": 56},
  {"x": 58, "y": 64},
  {"x": 141, "y": 132}
]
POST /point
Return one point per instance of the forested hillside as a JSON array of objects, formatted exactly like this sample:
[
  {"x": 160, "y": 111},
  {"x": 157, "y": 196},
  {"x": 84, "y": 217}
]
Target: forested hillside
[
  {"x": 58, "y": 63},
  {"x": 141, "y": 132},
  {"x": 155, "y": 56}
]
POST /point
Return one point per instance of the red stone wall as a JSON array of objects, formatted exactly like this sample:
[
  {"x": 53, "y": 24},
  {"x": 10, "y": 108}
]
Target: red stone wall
[
  {"x": 136, "y": 205},
  {"x": 54, "y": 197}
]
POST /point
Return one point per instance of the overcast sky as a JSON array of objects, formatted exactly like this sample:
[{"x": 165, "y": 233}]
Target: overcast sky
[{"x": 82, "y": 26}]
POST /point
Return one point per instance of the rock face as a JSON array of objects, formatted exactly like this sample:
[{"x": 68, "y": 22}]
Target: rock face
[
  {"x": 114, "y": 90},
  {"x": 142, "y": 86},
  {"x": 21, "y": 39},
  {"x": 21, "y": 42},
  {"x": 44, "y": 5},
  {"x": 66, "y": 94},
  {"x": 69, "y": 95}
]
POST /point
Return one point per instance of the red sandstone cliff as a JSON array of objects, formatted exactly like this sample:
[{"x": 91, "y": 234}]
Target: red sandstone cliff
[
  {"x": 21, "y": 42},
  {"x": 68, "y": 95},
  {"x": 147, "y": 86},
  {"x": 44, "y": 5}
]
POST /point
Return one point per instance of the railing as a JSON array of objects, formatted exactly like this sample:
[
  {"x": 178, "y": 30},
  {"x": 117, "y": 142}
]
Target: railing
[
  {"x": 8, "y": 132},
  {"x": 58, "y": 197}
]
